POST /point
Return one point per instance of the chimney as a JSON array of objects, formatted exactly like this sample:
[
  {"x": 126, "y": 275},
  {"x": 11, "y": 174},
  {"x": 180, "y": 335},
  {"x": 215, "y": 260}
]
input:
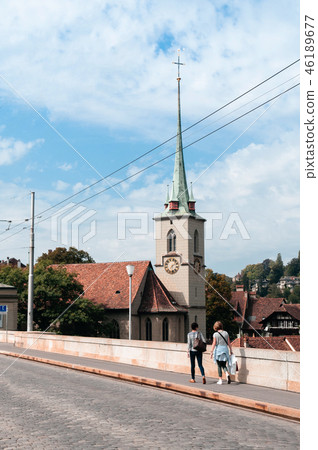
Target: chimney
[
  {"x": 19, "y": 264},
  {"x": 8, "y": 260}
]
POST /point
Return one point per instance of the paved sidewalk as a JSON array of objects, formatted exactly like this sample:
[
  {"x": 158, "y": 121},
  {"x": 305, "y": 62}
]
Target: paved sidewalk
[{"x": 242, "y": 391}]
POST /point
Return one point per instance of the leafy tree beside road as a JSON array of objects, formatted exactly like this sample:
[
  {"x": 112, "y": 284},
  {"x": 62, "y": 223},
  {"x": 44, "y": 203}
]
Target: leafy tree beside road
[
  {"x": 54, "y": 291},
  {"x": 63, "y": 256}
]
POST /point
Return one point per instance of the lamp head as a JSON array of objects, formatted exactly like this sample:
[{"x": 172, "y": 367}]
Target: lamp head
[{"x": 130, "y": 270}]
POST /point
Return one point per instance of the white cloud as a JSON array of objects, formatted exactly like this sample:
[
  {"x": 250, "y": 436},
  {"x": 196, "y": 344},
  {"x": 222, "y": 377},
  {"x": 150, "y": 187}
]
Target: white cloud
[
  {"x": 78, "y": 187},
  {"x": 66, "y": 167},
  {"x": 60, "y": 185},
  {"x": 101, "y": 62},
  {"x": 11, "y": 150}
]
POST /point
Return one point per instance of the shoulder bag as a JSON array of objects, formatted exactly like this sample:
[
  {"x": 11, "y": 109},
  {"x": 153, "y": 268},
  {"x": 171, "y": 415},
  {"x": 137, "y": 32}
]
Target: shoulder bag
[{"x": 199, "y": 344}]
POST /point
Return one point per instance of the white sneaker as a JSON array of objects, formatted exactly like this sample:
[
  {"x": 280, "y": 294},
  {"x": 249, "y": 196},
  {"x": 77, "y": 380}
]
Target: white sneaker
[{"x": 219, "y": 382}]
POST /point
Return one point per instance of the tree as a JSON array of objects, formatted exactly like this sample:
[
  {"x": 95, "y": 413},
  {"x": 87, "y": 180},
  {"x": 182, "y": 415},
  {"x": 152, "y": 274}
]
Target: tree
[
  {"x": 267, "y": 265},
  {"x": 257, "y": 273},
  {"x": 295, "y": 295},
  {"x": 292, "y": 269},
  {"x": 277, "y": 270},
  {"x": 245, "y": 281},
  {"x": 274, "y": 291},
  {"x": 216, "y": 307},
  {"x": 63, "y": 256},
  {"x": 286, "y": 293},
  {"x": 85, "y": 318}
]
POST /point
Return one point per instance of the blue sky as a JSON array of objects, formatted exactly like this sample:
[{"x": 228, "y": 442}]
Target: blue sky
[{"x": 100, "y": 73}]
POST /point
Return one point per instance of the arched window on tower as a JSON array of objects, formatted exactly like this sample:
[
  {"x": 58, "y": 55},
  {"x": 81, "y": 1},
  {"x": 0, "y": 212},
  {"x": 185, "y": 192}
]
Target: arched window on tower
[
  {"x": 171, "y": 241},
  {"x": 148, "y": 329},
  {"x": 196, "y": 241},
  {"x": 165, "y": 329}
]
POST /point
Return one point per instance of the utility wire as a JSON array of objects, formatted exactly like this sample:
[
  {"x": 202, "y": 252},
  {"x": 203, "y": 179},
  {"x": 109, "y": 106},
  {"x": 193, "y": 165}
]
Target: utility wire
[
  {"x": 240, "y": 107},
  {"x": 172, "y": 154},
  {"x": 163, "y": 143},
  {"x": 170, "y": 139}
]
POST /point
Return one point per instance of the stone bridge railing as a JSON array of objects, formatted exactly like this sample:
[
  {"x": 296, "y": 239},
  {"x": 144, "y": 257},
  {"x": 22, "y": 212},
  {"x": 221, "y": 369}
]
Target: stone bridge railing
[{"x": 270, "y": 368}]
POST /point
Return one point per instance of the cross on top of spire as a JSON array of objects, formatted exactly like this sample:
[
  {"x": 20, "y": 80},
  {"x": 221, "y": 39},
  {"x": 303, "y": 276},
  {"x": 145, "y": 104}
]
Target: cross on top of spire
[{"x": 179, "y": 64}]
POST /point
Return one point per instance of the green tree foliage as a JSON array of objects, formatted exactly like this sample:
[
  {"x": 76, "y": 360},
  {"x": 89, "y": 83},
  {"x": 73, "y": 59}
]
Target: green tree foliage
[
  {"x": 274, "y": 291},
  {"x": 277, "y": 270},
  {"x": 295, "y": 295},
  {"x": 63, "y": 256},
  {"x": 286, "y": 293},
  {"x": 292, "y": 269},
  {"x": 254, "y": 272},
  {"x": 245, "y": 281},
  {"x": 216, "y": 307},
  {"x": 85, "y": 318},
  {"x": 257, "y": 273},
  {"x": 54, "y": 291},
  {"x": 267, "y": 265}
]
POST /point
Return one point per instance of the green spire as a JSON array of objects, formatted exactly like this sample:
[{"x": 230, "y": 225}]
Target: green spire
[{"x": 180, "y": 187}]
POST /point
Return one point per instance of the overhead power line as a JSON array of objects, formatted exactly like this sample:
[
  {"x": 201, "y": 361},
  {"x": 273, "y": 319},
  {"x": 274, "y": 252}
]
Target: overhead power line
[
  {"x": 170, "y": 139},
  {"x": 172, "y": 154},
  {"x": 165, "y": 142}
]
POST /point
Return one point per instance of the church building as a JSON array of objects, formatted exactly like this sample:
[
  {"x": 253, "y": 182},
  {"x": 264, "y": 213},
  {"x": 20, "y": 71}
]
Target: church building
[{"x": 166, "y": 301}]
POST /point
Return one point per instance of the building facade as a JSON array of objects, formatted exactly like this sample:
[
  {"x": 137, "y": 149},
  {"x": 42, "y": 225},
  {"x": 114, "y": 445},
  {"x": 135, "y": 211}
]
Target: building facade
[{"x": 9, "y": 298}]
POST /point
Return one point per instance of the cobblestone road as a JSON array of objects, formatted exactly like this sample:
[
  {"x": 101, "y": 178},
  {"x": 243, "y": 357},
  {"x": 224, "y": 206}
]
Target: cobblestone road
[{"x": 45, "y": 407}]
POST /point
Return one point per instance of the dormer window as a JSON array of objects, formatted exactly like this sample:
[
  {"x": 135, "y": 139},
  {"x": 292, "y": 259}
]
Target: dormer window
[{"x": 171, "y": 241}]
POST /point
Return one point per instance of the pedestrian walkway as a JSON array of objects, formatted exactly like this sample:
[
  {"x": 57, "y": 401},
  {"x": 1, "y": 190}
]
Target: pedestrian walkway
[{"x": 264, "y": 399}]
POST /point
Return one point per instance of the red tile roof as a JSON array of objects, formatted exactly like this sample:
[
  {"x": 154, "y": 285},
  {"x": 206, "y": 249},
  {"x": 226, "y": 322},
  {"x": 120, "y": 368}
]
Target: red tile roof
[
  {"x": 260, "y": 308},
  {"x": 107, "y": 284},
  {"x": 293, "y": 310},
  {"x": 276, "y": 342},
  {"x": 156, "y": 298},
  {"x": 101, "y": 281},
  {"x": 263, "y": 307},
  {"x": 239, "y": 302}
]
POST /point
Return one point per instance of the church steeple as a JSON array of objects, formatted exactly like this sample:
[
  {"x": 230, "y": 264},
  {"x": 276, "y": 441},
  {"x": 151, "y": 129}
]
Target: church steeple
[
  {"x": 179, "y": 200},
  {"x": 180, "y": 239}
]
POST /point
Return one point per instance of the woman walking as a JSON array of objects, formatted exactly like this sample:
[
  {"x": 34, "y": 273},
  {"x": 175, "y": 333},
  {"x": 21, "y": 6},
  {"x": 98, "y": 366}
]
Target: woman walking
[
  {"x": 193, "y": 353},
  {"x": 220, "y": 350}
]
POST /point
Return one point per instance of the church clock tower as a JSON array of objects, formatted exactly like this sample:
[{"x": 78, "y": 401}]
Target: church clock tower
[{"x": 180, "y": 240}]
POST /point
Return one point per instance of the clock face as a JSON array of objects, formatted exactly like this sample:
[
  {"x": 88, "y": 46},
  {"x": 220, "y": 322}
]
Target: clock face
[
  {"x": 171, "y": 265},
  {"x": 197, "y": 265}
]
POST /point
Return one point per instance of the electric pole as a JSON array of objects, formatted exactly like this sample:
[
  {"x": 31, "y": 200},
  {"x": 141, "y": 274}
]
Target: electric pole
[{"x": 31, "y": 265}]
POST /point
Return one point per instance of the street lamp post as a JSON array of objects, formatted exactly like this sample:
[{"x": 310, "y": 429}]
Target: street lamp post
[{"x": 130, "y": 271}]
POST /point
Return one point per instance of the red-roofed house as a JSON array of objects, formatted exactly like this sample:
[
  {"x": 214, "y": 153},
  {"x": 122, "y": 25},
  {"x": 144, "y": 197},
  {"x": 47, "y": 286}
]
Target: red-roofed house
[
  {"x": 155, "y": 313},
  {"x": 264, "y": 316}
]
